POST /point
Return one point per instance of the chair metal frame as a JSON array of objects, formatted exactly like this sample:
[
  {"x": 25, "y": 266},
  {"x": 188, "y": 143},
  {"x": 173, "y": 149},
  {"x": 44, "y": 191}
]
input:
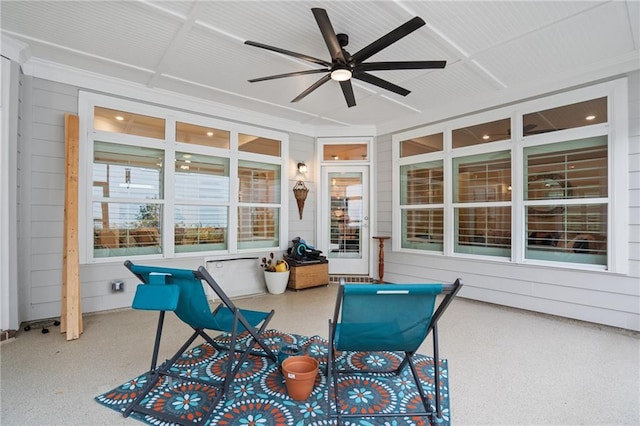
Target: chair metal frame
[
  {"x": 333, "y": 372},
  {"x": 236, "y": 353}
]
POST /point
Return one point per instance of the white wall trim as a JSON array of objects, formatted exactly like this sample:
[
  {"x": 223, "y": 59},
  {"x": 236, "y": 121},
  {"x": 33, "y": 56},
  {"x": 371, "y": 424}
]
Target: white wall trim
[
  {"x": 15, "y": 50},
  {"x": 9, "y": 318}
]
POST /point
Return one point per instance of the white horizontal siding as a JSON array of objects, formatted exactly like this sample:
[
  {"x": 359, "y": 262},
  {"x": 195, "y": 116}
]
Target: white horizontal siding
[
  {"x": 41, "y": 195},
  {"x": 302, "y": 149},
  {"x": 634, "y": 176}
]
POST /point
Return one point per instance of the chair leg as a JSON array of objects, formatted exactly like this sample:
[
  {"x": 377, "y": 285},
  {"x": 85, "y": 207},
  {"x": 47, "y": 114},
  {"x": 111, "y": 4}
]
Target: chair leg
[
  {"x": 328, "y": 369},
  {"x": 332, "y": 378},
  {"x": 436, "y": 370},
  {"x": 423, "y": 396},
  {"x": 157, "y": 372},
  {"x": 255, "y": 338},
  {"x": 153, "y": 375}
]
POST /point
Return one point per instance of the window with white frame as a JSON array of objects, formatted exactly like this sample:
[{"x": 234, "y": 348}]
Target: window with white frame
[
  {"x": 550, "y": 179},
  {"x": 160, "y": 182},
  {"x": 482, "y": 204},
  {"x": 422, "y": 192}
]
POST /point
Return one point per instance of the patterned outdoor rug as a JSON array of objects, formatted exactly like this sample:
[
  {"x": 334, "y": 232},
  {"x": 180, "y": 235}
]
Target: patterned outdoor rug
[{"x": 259, "y": 396}]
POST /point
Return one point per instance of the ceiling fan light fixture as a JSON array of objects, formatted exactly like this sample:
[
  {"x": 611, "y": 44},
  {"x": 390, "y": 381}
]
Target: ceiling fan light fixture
[
  {"x": 343, "y": 66},
  {"x": 340, "y": 74}
]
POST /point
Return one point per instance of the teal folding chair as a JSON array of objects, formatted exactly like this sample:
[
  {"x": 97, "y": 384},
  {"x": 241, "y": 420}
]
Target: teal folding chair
[
  {"x": 387, "y": 317},
  {"x": 181, "y": 291}
]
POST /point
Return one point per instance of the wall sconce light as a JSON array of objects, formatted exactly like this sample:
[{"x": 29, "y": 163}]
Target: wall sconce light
[{"x": 302, "y": 168}]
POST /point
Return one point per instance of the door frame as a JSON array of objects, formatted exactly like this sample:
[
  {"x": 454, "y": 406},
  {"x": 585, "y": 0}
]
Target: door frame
[{"x": 322, "y": 217}]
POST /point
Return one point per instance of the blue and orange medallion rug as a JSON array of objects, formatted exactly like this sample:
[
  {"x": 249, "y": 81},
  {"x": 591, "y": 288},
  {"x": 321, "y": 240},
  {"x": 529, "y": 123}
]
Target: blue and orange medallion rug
[{"x": 259, "y": 397}]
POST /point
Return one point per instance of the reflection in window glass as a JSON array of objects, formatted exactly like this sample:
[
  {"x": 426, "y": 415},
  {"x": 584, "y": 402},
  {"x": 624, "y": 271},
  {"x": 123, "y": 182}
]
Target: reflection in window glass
[
  {"x": 199, "y": 135},
  {"x": 574, "y": 169},
  {"x": 110, "y": 120},
  {"x": 573, "y": 233},
  {"x": 201, "y": 177},
  {"x": 483, "y": 230},
  {"x": 557, "y": 229},
  {"x": 259, "y": 182},
  {"x": 345, "y": 152},
  {"x": 258, "y": 227},
  {"x": 200, "y": 228},
  {"x": 421, "y": 145},
  {"x": 423, "y": 229},
  {"x": 126, "y": 173},
  {"x": 482, "y": 133},
  {"x": 565, "y": 117},
  {"x": 422, "y": 183},
  {"x": 198, "y": 179},
  {"x": 483, "y": 178},
  {"x": 126, "y": 229},
  {"x": 123, "y": 171},
  {"x": 259, "y": 145},
  {"x": 346, "y": 220}
]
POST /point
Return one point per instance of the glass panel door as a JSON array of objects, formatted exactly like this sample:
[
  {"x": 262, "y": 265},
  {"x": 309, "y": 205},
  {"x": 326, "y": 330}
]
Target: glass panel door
[{"x": 346, "y": 229}]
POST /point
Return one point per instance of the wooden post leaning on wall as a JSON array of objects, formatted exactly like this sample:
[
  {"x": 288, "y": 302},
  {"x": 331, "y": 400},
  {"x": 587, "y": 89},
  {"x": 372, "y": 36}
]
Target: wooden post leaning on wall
[{"x": 71, "y": 315}]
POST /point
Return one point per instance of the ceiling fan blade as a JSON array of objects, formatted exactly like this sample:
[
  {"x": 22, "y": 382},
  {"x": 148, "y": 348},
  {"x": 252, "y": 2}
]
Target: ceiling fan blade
[
  {"x": 405, "y": 65},
  {"x": 386, "y": 40},
  {"x": 289, "y": 53},
  {"x": 313, "y": 87},
  {"x": 289, "y": 74},
  {"x": 347, "y": 90},
  {"x": 329, "y": 35},
  {"x": 372, "y": 79}
]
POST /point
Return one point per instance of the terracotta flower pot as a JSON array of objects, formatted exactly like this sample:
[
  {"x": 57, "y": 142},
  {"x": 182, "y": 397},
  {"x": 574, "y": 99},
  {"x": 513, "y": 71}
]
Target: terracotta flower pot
[{"x": 300, "y": 375}]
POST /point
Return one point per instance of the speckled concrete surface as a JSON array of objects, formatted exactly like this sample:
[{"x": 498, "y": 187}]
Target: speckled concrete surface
[{"x": 507, "y": 366}]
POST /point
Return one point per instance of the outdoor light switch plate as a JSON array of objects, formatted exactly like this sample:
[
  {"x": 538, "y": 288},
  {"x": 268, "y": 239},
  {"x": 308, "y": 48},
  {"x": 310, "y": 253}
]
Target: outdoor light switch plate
[{"x": 117, "y": 286}]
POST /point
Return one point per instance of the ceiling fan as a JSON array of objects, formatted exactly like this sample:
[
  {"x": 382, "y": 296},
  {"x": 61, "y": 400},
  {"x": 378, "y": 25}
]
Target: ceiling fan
[{"x": 344, "y": 66}]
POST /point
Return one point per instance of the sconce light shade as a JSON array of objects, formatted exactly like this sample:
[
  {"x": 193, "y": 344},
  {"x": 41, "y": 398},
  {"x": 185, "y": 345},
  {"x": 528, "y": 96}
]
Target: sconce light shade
[
  {"x": 302, "y": 168},
  {"x": 300, "y": 191}
]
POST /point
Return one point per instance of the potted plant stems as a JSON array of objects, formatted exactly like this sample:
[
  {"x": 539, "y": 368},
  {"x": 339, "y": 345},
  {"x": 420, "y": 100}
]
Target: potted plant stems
[{"x": 276, "y": 274}]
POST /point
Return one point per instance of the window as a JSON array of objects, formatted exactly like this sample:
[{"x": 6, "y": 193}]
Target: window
[
  {"x": 201, "y": 135},
  {"x": 564, "y": 117},
  {"x": 498, "y": 130},
  {"x": 259, "y": 207},
  {"x": 345, "y": 152},
  {"x": 259, "y": 145},
  {"x": 202, "y": 202},
  {"x": 421, "y": 145},
  {"x": 127, "y": 200},
  {"x": 566, "y": 201},
  {"x": 163, "y": 182},
  {"x": 482, "y": 204},
  {"x": 422, "y": 205},
  {"x": 110, "y": 120},
  {"x": 542, "y": 194}
]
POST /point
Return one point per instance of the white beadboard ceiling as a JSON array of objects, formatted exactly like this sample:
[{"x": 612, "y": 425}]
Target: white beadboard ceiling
[{"x": 196, "y": 48}]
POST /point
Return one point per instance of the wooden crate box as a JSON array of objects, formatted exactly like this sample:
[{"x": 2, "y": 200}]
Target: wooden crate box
[{"x": 305, "y": 276}]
